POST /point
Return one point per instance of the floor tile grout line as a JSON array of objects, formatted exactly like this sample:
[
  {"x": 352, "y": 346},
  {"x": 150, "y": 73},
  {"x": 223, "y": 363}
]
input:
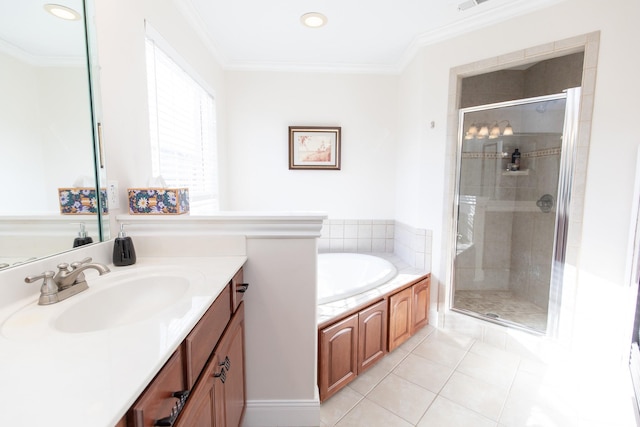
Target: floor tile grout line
[{"x": 513, "y": 380}]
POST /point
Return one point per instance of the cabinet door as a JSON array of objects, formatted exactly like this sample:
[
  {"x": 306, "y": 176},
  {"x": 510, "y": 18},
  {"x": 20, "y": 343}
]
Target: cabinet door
[
  {"x": 420, "y": 308},
  {"x": 199, "y": 409},
  {"x": 218, "y": 399},
  {"x": 338, "y": 358},
  {"x": 400, "y": 318},
  {"x": 372, "y": 335},
  {"x": 230, "y": 355}
]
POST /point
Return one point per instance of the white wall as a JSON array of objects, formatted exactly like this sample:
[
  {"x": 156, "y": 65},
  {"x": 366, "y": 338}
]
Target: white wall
[
  {"x": 262, "y": 105},
  {"x": 606, "y": 220}
]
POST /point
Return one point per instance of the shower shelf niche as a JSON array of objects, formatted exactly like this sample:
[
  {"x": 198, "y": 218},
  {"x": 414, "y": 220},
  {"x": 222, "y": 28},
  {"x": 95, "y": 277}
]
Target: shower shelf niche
[{"x": 516, "y": 173}]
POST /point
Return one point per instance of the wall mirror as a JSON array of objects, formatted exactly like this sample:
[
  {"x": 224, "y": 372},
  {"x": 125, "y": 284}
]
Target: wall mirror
[{"x": 48, "y": 128}]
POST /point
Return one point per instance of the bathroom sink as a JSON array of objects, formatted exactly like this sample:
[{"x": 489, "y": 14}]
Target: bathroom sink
[
  {"x": 113, "y": 300},
  {"x": 130, "y": 300}
]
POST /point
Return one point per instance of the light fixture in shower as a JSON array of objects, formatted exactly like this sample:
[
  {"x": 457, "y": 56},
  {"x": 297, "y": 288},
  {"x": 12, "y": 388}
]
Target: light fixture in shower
[{"x": 485, "y": 130}]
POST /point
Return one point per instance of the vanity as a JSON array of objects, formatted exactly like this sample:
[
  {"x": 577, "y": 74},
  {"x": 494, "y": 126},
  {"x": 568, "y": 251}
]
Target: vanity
[{"x": 173, "y": 345}]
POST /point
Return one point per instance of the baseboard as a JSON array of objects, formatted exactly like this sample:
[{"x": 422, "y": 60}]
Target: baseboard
[{"x": 282, "y": 413}]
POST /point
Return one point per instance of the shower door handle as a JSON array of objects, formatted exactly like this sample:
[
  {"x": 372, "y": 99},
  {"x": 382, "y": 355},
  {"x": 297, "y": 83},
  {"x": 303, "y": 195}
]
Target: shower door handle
[{"x": 545, "y": 203}]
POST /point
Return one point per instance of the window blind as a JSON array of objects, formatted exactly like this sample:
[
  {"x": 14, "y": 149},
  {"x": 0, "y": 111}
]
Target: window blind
[{"x": 182, "y": 130}]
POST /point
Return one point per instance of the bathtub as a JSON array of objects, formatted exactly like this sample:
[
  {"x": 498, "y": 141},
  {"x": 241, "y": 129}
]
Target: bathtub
[{"x": 341, "y": 275}]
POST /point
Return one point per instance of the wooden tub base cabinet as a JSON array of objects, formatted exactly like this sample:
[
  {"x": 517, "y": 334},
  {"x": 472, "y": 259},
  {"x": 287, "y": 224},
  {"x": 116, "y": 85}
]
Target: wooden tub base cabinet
[{"x": 357, "y": 340}]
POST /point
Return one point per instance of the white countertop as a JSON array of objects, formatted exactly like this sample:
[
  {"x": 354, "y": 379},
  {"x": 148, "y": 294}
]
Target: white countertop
[{"x": 91, "y": 379}]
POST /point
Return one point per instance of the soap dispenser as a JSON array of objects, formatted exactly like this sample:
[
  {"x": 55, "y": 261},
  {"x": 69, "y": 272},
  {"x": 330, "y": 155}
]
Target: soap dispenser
[
  {"x": 82, "y": 238},
  {"x": 123, "y": 251}
]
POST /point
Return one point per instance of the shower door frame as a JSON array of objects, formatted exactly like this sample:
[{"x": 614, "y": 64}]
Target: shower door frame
[{"x": 565, "y": 179}]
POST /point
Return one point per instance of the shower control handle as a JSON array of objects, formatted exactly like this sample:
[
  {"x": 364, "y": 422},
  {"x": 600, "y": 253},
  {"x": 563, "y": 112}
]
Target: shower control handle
[{"x": 545, "y": 203}]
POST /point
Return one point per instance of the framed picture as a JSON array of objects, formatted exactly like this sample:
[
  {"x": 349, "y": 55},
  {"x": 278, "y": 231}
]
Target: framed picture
[{"x": 314, "y": 147}]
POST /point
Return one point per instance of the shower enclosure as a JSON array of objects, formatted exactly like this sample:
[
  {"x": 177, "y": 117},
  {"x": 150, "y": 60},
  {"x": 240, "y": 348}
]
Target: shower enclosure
[{"x": 515, "y": 162}]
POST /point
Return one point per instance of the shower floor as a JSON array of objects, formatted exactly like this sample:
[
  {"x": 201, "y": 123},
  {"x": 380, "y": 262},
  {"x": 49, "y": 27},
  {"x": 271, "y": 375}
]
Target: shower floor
[{"x": 503, "y": 305}]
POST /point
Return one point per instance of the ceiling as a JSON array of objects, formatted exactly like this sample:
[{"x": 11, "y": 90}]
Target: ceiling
[
  {"x": 372, "y": 36},
  {"x": 378, "y": 36}
]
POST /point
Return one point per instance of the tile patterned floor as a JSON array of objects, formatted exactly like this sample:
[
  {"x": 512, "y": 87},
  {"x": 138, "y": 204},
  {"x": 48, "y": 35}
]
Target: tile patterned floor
[
  {"x": 441, "y": 378},
  {"x": 505, "y": 305}
]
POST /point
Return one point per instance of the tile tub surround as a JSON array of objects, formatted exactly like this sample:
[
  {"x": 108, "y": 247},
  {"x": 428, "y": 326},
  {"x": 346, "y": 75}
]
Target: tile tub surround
[{"x": 412, "y": 245}]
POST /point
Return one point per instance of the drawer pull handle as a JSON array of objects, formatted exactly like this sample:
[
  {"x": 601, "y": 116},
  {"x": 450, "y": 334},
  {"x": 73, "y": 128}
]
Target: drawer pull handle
[
  {"x": 222, "y": 375},
  {"x": 242, "y": 288},
  {"x": 175, "y": 411},
  {"x": 226, "y": 363}
]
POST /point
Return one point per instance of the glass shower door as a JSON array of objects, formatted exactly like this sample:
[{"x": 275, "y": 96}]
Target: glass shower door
[{"x": 507, "y": 196}]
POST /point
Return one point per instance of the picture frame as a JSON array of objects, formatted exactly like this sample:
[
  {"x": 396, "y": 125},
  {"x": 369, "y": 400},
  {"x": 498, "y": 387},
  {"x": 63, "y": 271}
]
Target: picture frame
[{"x": 314, "y": 147}]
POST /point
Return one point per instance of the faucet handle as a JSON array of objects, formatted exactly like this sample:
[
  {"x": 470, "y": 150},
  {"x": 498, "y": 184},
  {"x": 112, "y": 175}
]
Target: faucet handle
[
  {"x": 46, "y": 275},
  {"x": 49, "y": 288},
  {"x": 77, "y": 264}
]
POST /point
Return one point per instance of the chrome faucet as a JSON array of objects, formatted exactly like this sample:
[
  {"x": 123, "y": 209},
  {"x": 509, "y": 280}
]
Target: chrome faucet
[{"x": 68, "y": 281}]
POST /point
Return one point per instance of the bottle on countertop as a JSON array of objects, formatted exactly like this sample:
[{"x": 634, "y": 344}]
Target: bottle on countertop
[
  {"x": 515, "y": 159},
  {"x": 123, "y": 251},
  {"x": 82, "y": 238}
]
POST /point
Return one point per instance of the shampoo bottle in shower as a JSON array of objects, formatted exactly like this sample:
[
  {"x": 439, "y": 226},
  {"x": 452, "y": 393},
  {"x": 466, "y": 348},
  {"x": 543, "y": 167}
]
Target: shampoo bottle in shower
[
  {"x": 515, "y": 159},
  {"x": 82, "y": 238},
  {"x": 123, "y": 251}
]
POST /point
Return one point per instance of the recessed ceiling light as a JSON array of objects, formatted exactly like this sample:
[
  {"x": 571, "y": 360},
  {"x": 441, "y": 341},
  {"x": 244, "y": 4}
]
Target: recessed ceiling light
[
  {"x": 62, "y": 12},
  {"x": 313, "y": 19}
]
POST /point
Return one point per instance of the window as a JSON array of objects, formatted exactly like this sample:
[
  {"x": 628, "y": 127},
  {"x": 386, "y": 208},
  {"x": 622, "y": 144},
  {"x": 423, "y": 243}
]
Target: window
[{"x": 183, "y": 130}]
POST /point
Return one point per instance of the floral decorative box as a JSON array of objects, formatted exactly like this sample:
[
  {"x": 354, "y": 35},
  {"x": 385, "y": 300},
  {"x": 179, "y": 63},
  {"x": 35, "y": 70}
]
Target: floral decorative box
[
  {"x": 81, "y": 200},
  {"x": 153, "y": 201}
]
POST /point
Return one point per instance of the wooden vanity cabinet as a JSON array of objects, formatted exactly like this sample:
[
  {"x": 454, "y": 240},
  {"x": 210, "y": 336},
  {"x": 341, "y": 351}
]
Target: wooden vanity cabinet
[
  {"x": 210, "y": 364},
  {"x": 350, "y": 346},
  {"x": 218, "y": 399},
  {"x": 408, "y": 312},
  {"x": 204, "y": 336}
]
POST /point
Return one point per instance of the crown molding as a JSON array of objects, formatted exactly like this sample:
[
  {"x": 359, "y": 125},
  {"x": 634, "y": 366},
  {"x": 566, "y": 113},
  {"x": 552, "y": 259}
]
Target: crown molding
[{"x": 477, "y": 17}]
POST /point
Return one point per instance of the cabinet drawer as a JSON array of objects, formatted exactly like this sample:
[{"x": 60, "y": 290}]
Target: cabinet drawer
[
  {"x": 204, "y": 336},
  {"x": 238, "y": 288},
  {"x": 156, "y": 402}
]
